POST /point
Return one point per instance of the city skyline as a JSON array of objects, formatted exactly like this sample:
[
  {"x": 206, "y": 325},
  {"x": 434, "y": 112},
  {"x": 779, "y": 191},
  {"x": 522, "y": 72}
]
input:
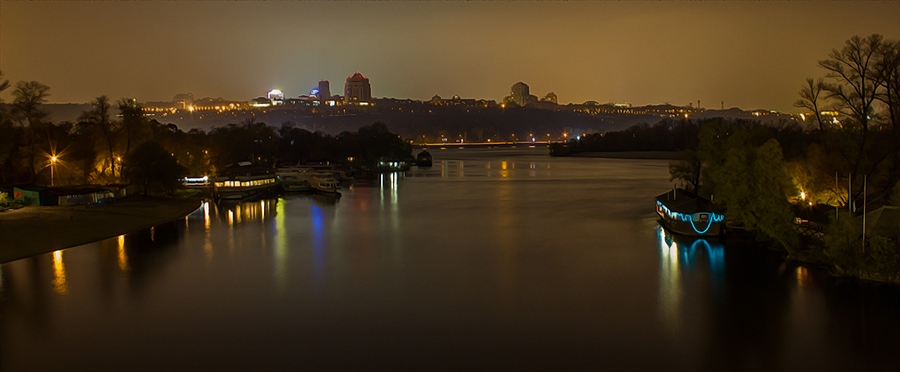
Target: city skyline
[{"x": 747, "y": 54}]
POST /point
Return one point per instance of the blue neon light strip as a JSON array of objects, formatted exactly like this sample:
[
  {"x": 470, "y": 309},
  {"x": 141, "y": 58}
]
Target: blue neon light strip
[
  {"x": 704, "y": 230},
  {"x": 678, "y": 216}
]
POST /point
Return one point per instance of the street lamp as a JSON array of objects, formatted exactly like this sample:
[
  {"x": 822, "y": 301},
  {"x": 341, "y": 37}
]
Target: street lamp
[{"x": 52, "y": 165}]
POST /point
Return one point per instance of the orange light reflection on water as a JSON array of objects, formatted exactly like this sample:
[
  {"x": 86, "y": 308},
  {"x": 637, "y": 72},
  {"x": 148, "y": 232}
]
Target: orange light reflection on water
[
  {"x": 123, "y": 257},
  {"x": 59, "y": 274}
]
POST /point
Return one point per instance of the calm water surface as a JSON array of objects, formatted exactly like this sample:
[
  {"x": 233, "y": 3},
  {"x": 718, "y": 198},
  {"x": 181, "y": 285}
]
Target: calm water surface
[{"x": 502, "y": 258}]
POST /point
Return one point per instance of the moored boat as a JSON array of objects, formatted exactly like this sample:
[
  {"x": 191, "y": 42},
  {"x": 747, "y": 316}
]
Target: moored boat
[
  {"x": 322, "y": 181},
  {"x": 242, "y": 180},
  {"x": 685, "y": 213},
  {"x": 423, "y": 159},
  {"x": 294, "y": 179}
]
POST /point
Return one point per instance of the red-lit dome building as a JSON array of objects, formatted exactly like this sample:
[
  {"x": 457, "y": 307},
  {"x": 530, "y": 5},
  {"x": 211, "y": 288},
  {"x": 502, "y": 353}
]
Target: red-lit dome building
[{"x": 357, "y": 89}]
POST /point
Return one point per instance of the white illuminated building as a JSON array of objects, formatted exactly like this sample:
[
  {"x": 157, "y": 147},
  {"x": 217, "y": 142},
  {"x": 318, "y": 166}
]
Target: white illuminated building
[{"x": 276, "y": 96}]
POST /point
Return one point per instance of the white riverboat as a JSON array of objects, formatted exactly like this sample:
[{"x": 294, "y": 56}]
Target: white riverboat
[
  {"x": 323, "y": 181},
  {"x": 294, "y": 179},
  {"x": 242, "y": 181}
]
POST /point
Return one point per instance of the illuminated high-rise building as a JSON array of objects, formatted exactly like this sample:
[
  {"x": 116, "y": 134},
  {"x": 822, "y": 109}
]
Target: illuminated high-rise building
[
  {"x": 357, "y": 89},
  {"x": 324, "y": 90},
  {"x": 519, "y": 93}
]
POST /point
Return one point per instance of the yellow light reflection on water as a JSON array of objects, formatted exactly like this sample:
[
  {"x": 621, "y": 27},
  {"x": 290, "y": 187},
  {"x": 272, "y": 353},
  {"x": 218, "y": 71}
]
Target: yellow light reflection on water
[
  {"x": 802, "y": 276},
  {"x": 206, "y": 221},
  {"x": 669, "y": 281},
  {"x": 123, "y": 257},
  {"x": 59, "y": 274},
  {"x": 281, "y": 248}
]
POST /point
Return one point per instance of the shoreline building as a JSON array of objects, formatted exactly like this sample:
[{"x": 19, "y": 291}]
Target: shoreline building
[{"x": 357, "y": 89}]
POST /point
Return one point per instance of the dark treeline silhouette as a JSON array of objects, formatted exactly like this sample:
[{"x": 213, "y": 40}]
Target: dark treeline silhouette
[
  {"x": 99, "y": 148},
  {"x": 677, "y": 135}
]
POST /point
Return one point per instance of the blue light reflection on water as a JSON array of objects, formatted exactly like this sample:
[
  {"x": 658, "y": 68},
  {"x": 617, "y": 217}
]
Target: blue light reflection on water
[
  {"x": 317, "y": 216},
  {"x": 681, "y": 258},
  {"x": 688, "y": 249}
]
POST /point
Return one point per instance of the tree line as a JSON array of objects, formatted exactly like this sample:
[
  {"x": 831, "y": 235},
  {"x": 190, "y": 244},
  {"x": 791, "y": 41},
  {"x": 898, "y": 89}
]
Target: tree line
[{"x": 104, "y": 146}]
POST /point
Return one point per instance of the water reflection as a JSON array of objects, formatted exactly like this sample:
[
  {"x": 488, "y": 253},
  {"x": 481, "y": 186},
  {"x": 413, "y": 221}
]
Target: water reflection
[
  {"x": 59, "y": 274},
  {"x": 680, "y": 256},
  {"x": 317, "y": 218},
  {"x": 281, "y": 247},
  {"x": 235, "y": 213},
  {"x": 122, "y": 255}
]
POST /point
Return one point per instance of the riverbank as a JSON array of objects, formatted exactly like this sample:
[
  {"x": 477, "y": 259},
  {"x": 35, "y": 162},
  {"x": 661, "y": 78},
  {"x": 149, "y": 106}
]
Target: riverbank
[
  {"x": 649, "y": 155},
  {"x": 32, "y": 231}
]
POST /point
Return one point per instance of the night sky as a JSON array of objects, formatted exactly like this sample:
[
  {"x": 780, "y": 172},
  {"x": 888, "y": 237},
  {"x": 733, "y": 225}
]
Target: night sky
[{"x": 749, "y": 54}]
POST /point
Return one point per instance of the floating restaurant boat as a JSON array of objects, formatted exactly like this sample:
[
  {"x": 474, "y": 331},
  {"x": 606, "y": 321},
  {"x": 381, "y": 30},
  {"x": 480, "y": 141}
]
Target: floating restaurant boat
[
  {"x": 241, "y": 181},
  {"x": 685, "y": 213}
]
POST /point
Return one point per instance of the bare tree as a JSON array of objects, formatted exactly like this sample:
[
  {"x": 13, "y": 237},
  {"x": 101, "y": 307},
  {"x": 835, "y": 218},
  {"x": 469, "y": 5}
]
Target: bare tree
[
  {"x": 29, "y": 95},
  {"x": 856, "y": 77},
  {"x": 132, "y": 118},
  {"x": 809, "y": 98},
  {"x": 4, "y": 84},
  {"x": 98, "y": 117},
  {"x": 889, "y": 65}
]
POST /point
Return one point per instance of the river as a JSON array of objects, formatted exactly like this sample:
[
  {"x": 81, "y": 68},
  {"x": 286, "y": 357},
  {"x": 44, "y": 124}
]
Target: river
[{"x": 490, "y": 259}]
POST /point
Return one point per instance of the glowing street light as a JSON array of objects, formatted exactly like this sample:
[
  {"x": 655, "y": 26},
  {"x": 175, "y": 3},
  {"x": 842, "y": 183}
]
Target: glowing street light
[{"x": 52, "y": 165}]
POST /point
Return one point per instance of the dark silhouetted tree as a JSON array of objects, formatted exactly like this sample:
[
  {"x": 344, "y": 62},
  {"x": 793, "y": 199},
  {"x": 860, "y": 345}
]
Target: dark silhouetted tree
[
  {"x": 153, "y": 168},
  {"x": 810, "y": 96},
  {"x": 29, "y": 95},
  {"x": 98, "y": 117},
  {"x": 855, "y": 77}
]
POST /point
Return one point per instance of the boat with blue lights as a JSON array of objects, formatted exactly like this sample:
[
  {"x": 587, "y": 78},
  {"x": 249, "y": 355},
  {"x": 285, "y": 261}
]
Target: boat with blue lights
[{"x": 685, "y": 213}]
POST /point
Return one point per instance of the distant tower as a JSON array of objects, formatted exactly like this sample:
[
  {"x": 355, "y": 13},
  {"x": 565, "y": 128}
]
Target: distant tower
[
  {"x": 357, "y": 89},
  {"x": 519, "y": 93},
  {"x": 698, "y": 104},
  {"x": 324, "y": 90},
  {"x": 723, "y": 105},
  {"x": 183, "y": 100}
]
